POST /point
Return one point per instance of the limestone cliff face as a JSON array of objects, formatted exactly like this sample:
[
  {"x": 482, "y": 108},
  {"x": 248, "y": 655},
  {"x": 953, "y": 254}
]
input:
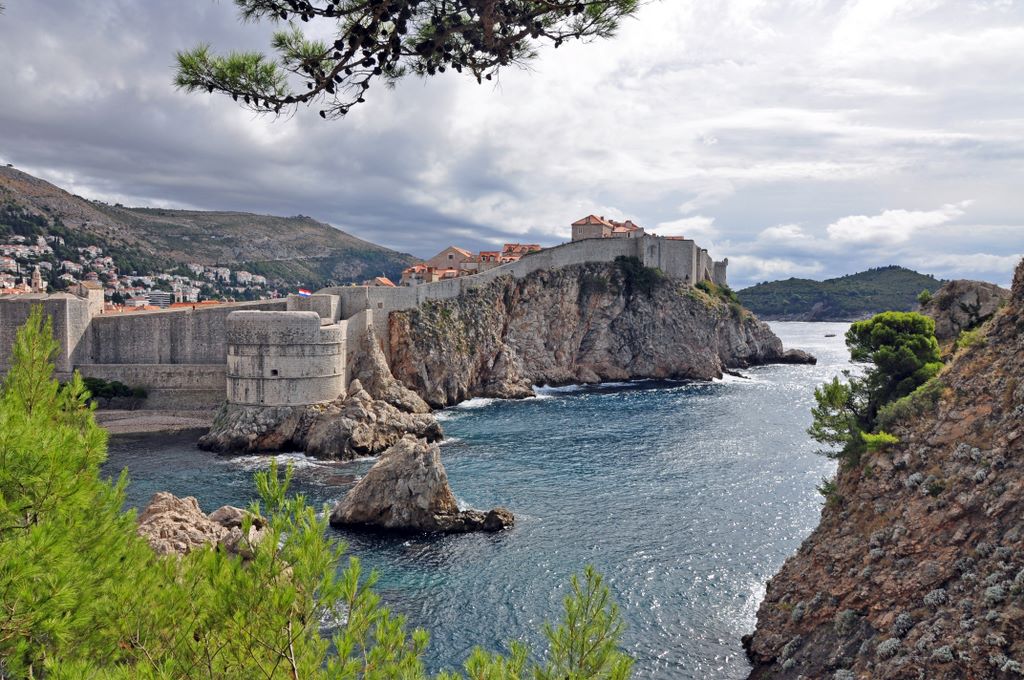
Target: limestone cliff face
[
  {"x": 962, "y": 305},
  {"x": 917, "y": 569},
  {"x": 578, "y": 324}
]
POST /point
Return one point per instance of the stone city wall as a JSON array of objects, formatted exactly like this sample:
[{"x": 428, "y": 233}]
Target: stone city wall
[
  {"x": 177, "y": 355},
  {"x": 173, "y": 336},
  {"x": 70, "y": 316},
  {"x": 286, "y": 352},
  {"x": 168, "y": 386},
  {"x": 678, "y": 258}
]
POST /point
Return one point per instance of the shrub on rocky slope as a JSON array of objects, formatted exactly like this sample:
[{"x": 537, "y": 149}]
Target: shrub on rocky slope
[{"x": 917, "y": 569}]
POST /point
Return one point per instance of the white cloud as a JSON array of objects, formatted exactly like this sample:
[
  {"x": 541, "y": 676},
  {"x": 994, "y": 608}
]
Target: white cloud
[
  {"x": 698, "y": 228},
  {"x": 775, "y": 132},
  {"x": 997, "y": 268},
  {"x": 892, "y": 226},
  {"x": 784, "y": 234},
  {"x": 751, "y": 269}
]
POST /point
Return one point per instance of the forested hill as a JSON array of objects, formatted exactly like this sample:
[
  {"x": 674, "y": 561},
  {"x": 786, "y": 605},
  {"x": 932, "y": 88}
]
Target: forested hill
[
  {"x": 847, "y": 298},
  {"x": 287, "y": 250}
]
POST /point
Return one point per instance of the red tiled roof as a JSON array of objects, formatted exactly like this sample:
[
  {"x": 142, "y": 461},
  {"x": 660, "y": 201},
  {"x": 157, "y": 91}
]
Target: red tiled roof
[
  {"x": 624, "y": 226},
  {"x": 384, "y": 281},
  {"x": 416, "y": 268},
  {"x": 592, "y": 219}
]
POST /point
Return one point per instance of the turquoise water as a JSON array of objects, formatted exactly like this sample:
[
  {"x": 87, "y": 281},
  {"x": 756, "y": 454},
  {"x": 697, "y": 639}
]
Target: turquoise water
[{"x": 688, "y": 497}]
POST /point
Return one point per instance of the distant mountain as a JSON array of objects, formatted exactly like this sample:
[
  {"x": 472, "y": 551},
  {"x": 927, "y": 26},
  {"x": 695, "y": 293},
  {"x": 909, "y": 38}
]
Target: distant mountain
[
  {"x": 292, "y": 251},
  {"x": 847, "y": 298}
]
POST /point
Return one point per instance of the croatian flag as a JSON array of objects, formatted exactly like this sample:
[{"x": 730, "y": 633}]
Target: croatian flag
[{"x": 304, "y": 293}]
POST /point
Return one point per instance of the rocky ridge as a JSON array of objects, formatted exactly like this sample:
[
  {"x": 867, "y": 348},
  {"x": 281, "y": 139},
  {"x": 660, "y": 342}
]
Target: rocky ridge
[
  {"x": 407, "y": 490},
  {"x": 916, "y": 569},
  {"x": 285, "y": 249},
  {"x": 578, "y": 324}
]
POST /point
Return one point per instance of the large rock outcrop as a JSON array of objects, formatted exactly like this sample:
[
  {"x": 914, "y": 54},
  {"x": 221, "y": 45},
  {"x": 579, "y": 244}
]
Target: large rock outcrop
[
  {"x": 407, "y": 490},
  {"x": 176, "y": 526},
  {"x": 962, "y": 305},
  {"x": 577, "y": 324},
  {"x": 917, "y": 567},
  {"x": 376, "y": 412}
]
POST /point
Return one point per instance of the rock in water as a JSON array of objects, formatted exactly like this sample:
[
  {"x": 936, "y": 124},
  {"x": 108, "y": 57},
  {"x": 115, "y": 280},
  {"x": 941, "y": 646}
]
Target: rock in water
[
  {"x": 407, "y": 490},
  {"x": 797, "y": 356},
  {"x": 177, "y": 526}
]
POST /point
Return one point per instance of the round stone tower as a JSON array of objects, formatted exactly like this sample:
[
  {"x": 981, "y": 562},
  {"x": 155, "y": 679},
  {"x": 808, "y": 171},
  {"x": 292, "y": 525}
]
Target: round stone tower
[{"x": 283, "y": 359}]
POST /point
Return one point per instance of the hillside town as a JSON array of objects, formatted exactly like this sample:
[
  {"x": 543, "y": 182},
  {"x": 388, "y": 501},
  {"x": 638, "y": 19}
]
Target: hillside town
[
  {"x": 44, "y": 263},
  {"x": 34, "y": 265}
]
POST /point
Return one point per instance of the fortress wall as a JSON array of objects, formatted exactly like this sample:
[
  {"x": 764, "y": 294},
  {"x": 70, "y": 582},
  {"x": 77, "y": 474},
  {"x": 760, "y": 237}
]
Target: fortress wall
[
  {"x": 677, "y": 258},
  {"x": 178, "y": 336},
  {"x": 182, "y": 386},
  {"x": 720, "y": 274},
  {"x": 284, "y": 358},
  {"x": 385, "y": 300},
  {"x": 327, "y": 306},
  {"x": 356, "y": 329},
  {"x": 705, "y": 266},
  {"x": 70, "y": 316}
]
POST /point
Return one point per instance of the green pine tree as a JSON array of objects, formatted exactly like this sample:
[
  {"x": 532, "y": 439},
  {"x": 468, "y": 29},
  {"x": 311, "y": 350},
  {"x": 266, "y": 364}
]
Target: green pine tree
[{"x": 83, "y": 596}]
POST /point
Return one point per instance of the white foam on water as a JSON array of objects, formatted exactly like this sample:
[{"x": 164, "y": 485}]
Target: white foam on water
[
  {"x": 727, "y": 379},
  {"x": 449, "y": 440},
  {"x": 476, "y": 402},
  {"x": 259, "y": 462},
  {"x": 548, "y": 390}
]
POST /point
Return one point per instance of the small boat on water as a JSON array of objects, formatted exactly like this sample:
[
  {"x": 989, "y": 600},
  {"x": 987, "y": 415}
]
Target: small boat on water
[{"x": 830, "y": 335}]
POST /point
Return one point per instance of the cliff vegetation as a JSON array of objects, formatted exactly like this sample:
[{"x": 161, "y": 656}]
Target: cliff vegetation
[{"x": 916, "y": 569}]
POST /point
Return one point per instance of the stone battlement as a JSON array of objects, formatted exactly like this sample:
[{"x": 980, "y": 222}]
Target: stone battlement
[
  {"x": 287, "y": 352},
  {"x": 680, "y": 259}
]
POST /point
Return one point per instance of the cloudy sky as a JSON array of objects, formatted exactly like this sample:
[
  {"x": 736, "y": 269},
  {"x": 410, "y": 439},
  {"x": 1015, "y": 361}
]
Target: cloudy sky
[{"x": 797, "y": 137}]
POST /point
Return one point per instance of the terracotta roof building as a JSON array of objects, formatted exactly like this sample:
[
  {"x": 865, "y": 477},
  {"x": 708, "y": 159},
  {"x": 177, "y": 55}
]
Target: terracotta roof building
[{"x": 593, "y": 226}]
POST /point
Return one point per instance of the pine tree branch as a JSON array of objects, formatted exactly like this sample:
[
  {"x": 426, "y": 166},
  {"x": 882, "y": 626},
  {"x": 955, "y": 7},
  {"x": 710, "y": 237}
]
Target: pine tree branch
[{"x": 387, "y": 40}]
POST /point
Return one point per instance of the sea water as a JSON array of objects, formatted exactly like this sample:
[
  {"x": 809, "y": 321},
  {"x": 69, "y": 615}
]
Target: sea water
[{"x": 686, "y": 496}]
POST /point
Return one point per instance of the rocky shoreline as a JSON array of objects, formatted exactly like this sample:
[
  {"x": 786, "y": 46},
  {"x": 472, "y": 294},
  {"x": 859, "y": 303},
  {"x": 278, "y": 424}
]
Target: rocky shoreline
[{"x": 612, "y": 323}]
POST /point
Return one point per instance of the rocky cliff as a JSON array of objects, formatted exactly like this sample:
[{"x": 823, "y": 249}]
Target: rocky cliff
[
  {"x": 963, "y": 305},
  {"x": 578, "y": 324},
  {"x": 917, "y": 567}
]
